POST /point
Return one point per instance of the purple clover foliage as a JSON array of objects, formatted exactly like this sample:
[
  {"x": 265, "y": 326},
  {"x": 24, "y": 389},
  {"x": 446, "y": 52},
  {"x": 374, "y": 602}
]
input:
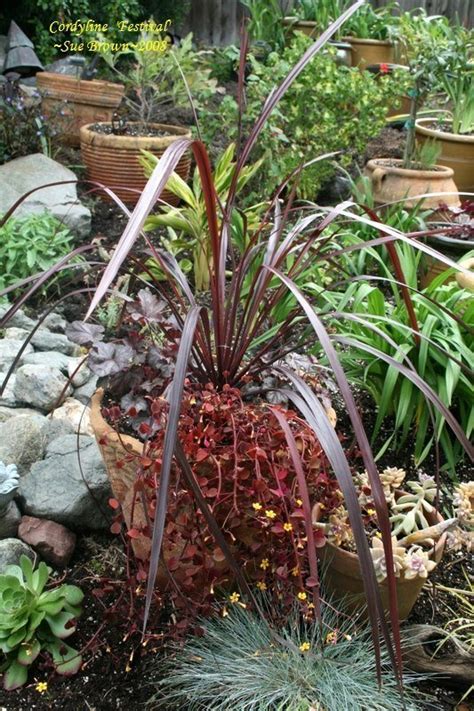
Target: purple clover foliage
[{"x": 134, "y": 367}]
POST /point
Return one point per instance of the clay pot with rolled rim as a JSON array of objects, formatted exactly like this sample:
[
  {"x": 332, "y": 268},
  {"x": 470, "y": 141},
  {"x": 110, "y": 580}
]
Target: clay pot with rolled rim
[
  {"x": 369, "y": 51},
  {"x": 392, "y": 182},
  {"x": 113, "y": 160},
  {"x": 72, "y": 102},
  {"x": 343, "y": 577},
  {"x": 457, "y": 152}
]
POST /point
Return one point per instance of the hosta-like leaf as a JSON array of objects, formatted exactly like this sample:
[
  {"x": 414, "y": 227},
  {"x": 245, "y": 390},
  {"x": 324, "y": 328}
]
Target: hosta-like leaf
[
  {"x": 61, "y": 625},
  {"x": 28, "y": 653},
  {"x": 67, "y": 660},
  {"x": 84, "y": 334},
  {"x": 73, "y": 595},
  {"x": 15, "y": 676}
]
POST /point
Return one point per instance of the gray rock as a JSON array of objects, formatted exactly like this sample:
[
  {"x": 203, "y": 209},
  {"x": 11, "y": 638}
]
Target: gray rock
[
  {"x": 19, "y": 319},
  {"x": 3, "y": 49},
  {"x": 8, "y": 399},
  {"x": 85, "y": 392},
  {"x": 11, "y": 550},
  {"x": 51, "y": 359},
  {"x": 6, "y": 413},
  {"x": 55, "y": 322},
  {"x": 82, "y": 376},
  {"x": 40, "y": 386},
  {"x": 22, "y": 441},
  {"x": 9, "y": 522},
  {"x": 9, "y": 350},
  {"x": 21, "y": 175},
  {"x": 56, "y": 488},
  {"x": 52, "y": 429},
  {"x": 71, "y": 65},
  {"x": 14, "y": 333},
  {"x": 44, "y": 340}
]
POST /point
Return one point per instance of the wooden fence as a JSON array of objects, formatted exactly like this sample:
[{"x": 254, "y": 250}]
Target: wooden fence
[{"x": 217, "y": 22}]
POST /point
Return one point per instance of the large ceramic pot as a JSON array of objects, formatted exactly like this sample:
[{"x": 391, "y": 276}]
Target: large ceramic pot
[
  {"x": 309, "y": 28},
  {"x": 113, "y": 160},
  {"x": 454, "y": 248},
  {"x": 457, "y": 152},
  {"x": 368, "y": 51},
  {"x": 72, "y": 103},
  {"x": 391, "y": 182},
  {"x": 343, "y": 578}
]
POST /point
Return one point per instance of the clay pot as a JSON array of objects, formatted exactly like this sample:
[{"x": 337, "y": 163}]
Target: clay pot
[
  {"x": 80, "y": 102},
  {"x": 114, "y": 162},
  {"x": 391, "y": 182},
  {"x": 310, "y": 28},
  {"x": 343, "y": 578},
  {"x": 368, "y": 51},
  {"x": 457, "y": 152},
  {"x": 451, "y": 247}
]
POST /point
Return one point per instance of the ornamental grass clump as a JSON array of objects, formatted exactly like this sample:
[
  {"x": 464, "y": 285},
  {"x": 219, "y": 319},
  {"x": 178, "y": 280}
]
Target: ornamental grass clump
[
  {"x": 243, "y": 661},
  {"x": 35, "y": 620}
]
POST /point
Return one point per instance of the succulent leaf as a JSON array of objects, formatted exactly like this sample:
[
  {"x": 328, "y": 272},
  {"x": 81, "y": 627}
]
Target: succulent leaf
[{"x": 15, "y": 676}]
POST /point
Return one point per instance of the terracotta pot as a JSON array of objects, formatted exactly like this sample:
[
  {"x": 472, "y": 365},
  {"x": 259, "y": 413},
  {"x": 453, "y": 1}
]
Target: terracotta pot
[
  {"x": 310, "y": 28},
  {"x": 369, "y": 51},
  {"x": 391, "y": 182},
  {"x": 87, "y": 102},
  {"x": 343, "y": 577},
  {"x": 113, "y": 160},
  {"x": 457, "y": 152},
  {"x": 451, "y": 247}
]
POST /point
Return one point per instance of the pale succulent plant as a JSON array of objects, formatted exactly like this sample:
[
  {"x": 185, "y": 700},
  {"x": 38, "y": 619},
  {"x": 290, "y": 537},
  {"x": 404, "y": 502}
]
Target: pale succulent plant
[
  {"x": 410, "y": 509},
  {"x": 33, "y": 619},
  {"x": 9, "y": 482},
  {"x": 463, "y": 503},
  {"x": 378, "y": 557}
]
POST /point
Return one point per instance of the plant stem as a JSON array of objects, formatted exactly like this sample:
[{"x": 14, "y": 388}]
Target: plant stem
[{"x": 410, "y": 144}]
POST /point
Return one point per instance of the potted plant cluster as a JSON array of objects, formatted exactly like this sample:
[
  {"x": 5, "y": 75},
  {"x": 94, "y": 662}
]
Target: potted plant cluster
[
  {"x": 428, "y": 44},
  {"x": 453, "y": 130},
  {"x": 77, "y": 100}
]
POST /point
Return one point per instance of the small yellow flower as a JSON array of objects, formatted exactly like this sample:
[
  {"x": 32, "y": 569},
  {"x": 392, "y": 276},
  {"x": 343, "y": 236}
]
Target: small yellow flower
[
  {"x": 270, "y": 513},
  {"x": 311, "y": 605},
  {"x": 302, "y": 596},
  {"x": 305, "y": 647},
  {"x": 299, "y": 502},
  {"x": 348, "y": 637},
  {"x": 378, "y": 534},
  {"x": 41, "y": 687},
  {"x": 265, "y": 564},
  {"x": 295, "y": 572},
  {"x": 370, "y": 512},
  {"x": 287, "y": 527},
  {"x": 257, "y": 506},
  {"x": 234, "y": 598},
  {"x": 331, "y": 638},
  {"x": 261, "y": 585}
]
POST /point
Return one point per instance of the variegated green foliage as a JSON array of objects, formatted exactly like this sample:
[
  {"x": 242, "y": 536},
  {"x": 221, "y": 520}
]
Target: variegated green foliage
[
  {"x": 410, "y": 509},
  {"x": 187, "y": 224},
  {"x": 33, "y": 619}
]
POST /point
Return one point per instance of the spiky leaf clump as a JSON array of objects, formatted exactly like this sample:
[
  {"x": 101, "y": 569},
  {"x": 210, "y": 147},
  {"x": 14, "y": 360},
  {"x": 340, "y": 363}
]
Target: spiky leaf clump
[
  {"x": 33, "y": 619},
  {"x": 241, "y": 664}
]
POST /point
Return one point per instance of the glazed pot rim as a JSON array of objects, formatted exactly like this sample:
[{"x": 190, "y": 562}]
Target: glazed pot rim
[
  {"x": 443, "y": 135},
  {"x": 442, "y": 172},
  {"x": 366, "y": 40}
]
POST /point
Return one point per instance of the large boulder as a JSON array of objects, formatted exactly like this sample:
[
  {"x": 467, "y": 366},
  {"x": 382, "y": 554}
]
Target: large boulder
[
  {"x": 68, "y": 486},
  {"x": 40, "y": 386},
  {"x": 22, "y": 441},
  {"x": 11, "y": 550},
  {"x": 21, "y": 175}
]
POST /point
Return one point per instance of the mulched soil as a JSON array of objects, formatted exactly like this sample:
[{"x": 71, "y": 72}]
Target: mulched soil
[{"x": 129, "y": 129}]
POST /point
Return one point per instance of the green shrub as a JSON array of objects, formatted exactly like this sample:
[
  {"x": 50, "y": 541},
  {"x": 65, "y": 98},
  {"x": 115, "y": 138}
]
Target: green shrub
[
  {"x": 33, "y": 619},
  {"x": 31, "y": 244},
  {"x": 328, "y": 108}
]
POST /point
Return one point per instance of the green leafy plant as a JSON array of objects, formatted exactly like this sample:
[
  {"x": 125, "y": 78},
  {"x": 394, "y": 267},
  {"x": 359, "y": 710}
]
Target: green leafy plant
[
  {"x": 31, "y": 244},
  {"x": 377, "y": 24},
  {"x": 187, "y": 224},
  {"x": 329, "y": 108},
  {"x": 155, "y": 79},
  {"x": 33, "y": 619},
  {"x": 244, "y": 661},
  {"x": 266, "y": 22}
]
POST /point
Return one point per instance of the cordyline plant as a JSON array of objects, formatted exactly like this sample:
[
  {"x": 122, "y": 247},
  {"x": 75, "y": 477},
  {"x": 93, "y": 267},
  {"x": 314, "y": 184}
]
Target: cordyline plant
[{"x": 234, "y": 338}]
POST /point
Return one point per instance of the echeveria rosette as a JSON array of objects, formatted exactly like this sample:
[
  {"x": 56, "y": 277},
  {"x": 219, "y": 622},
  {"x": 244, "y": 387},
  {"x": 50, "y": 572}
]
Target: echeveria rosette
[{"x": 33, "y": 619}]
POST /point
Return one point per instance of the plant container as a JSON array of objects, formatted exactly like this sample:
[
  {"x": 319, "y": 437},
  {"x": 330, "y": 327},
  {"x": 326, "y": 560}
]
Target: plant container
[
  {"x": 452, "y": 247},
  {"x": 113, "y": 160},
  {"x": 343, "y": 577},
  {"x": 391, "y": 182},
  {"x": 310, "y": 28},
  {"x": 369, "y": 51},
  {"x": 72, "y": 102},
  {"x": 457, "y": 151}
]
